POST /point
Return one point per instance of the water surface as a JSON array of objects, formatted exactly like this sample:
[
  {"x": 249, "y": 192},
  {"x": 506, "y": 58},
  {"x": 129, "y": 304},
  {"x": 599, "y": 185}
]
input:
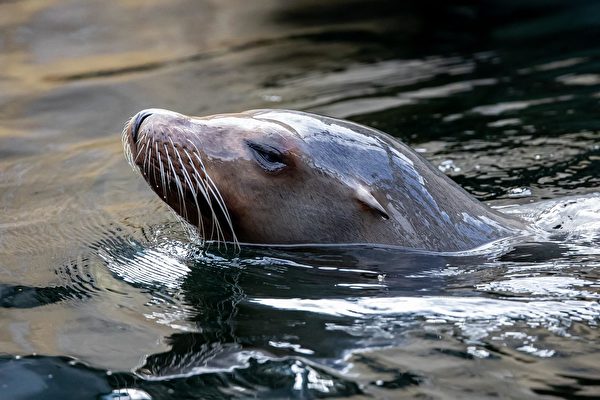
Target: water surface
[{"x": 102, "y": 293}]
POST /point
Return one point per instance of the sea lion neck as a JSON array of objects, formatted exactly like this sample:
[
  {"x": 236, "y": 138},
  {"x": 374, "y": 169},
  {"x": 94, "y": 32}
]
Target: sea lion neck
[{"x": 429, "y": 210}]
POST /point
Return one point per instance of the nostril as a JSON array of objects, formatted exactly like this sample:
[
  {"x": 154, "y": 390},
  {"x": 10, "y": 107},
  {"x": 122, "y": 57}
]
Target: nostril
[{"x": 137, "y": 122}]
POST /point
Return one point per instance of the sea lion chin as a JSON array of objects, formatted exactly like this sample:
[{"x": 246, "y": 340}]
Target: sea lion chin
[{"x": 290, "y": 177}]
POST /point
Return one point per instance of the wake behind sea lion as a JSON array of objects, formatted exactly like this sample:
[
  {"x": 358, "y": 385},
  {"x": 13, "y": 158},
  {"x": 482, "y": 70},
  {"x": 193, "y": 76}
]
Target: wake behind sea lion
[{"x": 290, "y": 177}]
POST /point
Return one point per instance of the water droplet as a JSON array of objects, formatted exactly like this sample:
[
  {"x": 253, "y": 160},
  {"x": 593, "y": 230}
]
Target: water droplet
[
  {"x": 272, "y": 98},
  {"x": 448, "y": 166},
  {"x": 516, "y": 193}
]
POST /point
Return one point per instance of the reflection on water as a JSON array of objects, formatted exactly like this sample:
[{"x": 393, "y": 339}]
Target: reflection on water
[{"x": 100, "y": 284}]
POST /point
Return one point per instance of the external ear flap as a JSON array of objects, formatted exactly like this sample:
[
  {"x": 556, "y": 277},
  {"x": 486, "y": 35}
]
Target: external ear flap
[{"x": 364, "y": 196}]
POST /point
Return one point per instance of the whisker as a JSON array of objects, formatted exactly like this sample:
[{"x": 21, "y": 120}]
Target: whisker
[
  {"x": 221, "y": 202},
  {"x": 200, "y": 186},
  {"x": 218, "y": 224},
  {"x": 218, "y": 197},
  {"x": 215, "y": 221},
  {"x": 140, "y": 149},
  {"x": 177, "y": 182},
  {"x": 124, "y": 135},
  {"x": 127, "y": 146},
  {"x": 152, "y": 162},
  {"x": 147, "y": 159},
  {"x": 162, "y": 172},
  {"x": 208, "y": 187},
  {"x": 190, "y": 184}
]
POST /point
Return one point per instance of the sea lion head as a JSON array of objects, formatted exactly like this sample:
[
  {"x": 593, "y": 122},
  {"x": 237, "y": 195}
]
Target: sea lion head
[
  {"x": 288, "y": 177},
  {"x": 264, "y": 176}
]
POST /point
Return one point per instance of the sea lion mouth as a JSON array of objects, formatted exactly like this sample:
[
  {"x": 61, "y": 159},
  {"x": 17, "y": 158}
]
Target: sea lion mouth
[{"x": 160, "y": 146}]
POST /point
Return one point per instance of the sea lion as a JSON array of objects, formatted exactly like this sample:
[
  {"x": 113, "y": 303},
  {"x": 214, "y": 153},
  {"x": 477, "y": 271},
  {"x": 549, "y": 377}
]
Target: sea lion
[{"x": 291, "y": 177}]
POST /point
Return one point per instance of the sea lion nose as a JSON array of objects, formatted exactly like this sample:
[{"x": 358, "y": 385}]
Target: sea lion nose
[{"x": 137, "y": 122}]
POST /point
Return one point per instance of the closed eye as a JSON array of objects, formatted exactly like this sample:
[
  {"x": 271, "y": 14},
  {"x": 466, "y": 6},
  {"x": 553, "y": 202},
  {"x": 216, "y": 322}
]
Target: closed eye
[{"x": 268, "y": 157}]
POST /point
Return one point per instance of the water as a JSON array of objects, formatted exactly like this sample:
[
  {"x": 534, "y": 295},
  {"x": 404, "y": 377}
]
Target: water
[{"x": 103, "y": 295}]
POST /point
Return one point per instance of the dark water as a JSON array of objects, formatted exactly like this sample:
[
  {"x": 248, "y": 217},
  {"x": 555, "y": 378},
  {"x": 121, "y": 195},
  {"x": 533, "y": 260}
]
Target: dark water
[{"x": 102, "y": 294}]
